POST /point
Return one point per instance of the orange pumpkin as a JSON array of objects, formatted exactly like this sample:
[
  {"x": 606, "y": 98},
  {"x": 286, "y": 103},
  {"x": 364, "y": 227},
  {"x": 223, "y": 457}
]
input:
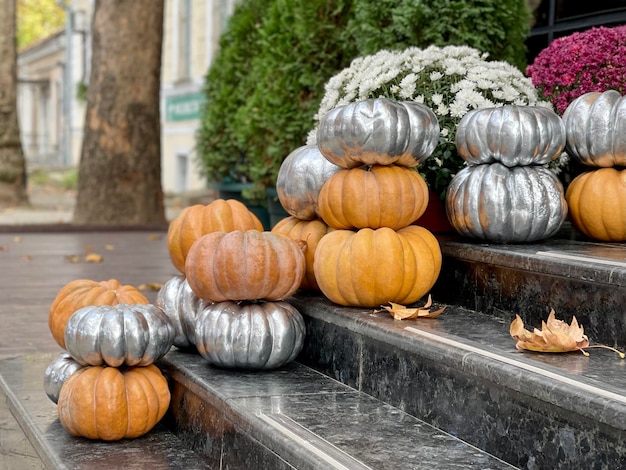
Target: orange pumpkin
[
  {"x": 194, "y": 221},
  {"x": 597, "y": 204},
  {"x": 84, "y": 293},
  {"x": 111, "y": 404},
  {"x": 309, "y": 231},
  {"x": 369, "y": 268},
  {"x": 247, "y": 265},
  {"x": 378, "y": 196}
]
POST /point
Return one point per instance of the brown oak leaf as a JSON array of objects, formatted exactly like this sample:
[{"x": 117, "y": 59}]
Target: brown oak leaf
[{"x": 400, "y": 312}]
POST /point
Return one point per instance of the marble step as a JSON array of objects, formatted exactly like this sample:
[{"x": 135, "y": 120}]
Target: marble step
[
  {"x": 297, "y": 418},
  {"x": 21, "y": 391},
  {"x": 461, "y": 373},
  {"x": 567, "y": 273}
]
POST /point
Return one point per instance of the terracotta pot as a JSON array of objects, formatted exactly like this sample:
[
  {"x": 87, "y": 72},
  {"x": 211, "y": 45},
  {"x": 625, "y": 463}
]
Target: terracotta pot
[{"x": 435, "y": 218}]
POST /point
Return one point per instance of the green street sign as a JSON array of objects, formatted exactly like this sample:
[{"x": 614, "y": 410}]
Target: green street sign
[{"x": 184, "y": 107}]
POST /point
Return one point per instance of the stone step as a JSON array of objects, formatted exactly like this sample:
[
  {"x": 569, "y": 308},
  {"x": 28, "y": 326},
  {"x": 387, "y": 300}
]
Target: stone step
[
  {"x": 570, "y": 274},
  {"x": 461, "y": 373},
  {"x": 297, "y": 418},
  {"x": 21, "y": 389}
]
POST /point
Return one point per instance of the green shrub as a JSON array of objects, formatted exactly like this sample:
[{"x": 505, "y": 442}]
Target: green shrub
[
  {"x": 266, "y": 82},
  {"x": 227, "y": 86},
  {"x": 498, "y": 27}
]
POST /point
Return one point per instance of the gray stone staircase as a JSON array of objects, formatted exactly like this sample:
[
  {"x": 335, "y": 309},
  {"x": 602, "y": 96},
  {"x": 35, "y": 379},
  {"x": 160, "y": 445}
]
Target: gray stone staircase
[{"x": 370, "y": 392}]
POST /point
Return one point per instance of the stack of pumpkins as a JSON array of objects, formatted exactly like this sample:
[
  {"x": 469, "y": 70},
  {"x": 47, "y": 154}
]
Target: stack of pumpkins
[
  {"x": 229, "y": 301},
  {"x": 506, "y": 194},
  {"x": 106, "y": 385},
  {"x": 595, "y": 124},
  {"x": 368, "y": 253}
]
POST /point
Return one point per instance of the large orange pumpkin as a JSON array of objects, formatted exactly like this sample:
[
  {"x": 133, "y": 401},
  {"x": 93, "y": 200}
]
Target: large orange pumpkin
[
  {"x": 309, "y": 231},
  {"x": 378, "y": 196},
  {"x": 218, "y": 216},
  {"x": 247, "y": 265},
  {"x": 597, "y": 204},
  {"x": 84, "y": 293},
  {"x": 369, "y": 268},
  {"x": 111, "y": 404}
]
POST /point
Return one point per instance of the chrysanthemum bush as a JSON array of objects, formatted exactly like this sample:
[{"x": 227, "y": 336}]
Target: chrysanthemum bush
[
  {"x": 450, "y": 80},
  {"x": 592, "y": 60}
]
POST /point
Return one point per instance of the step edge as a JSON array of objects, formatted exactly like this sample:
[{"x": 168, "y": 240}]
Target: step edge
[{"x": 597, "y": 407}]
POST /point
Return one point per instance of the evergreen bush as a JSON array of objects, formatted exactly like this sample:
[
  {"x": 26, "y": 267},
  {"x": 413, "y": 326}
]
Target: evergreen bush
[{"x": 266, "y": 82}]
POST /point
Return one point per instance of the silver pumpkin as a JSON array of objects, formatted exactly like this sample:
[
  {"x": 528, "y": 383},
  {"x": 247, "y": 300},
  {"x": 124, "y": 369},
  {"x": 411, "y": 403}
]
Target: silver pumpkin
[
  {"x": 131, "y": 335},
  {"x": 57, "y": 373},
  {"x": 253, "y": 336},
  {"x": 500, "y": 204},
  {"x": 378, "y": 132},
  {"x": 511, "y": 135},
  {"x": 595, "y": 126},
  {"x": 181, "y": 305},
  {"x": 300, "y": 179}
]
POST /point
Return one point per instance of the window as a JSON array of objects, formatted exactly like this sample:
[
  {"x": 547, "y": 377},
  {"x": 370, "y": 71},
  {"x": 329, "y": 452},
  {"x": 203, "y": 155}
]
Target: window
[
  {"x": 184, "y": 39},
  {"x": 557, "y": 18}
]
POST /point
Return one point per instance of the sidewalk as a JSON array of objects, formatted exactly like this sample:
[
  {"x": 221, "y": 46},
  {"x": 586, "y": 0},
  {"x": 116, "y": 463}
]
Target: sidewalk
[{"x": 52, "y": 205}]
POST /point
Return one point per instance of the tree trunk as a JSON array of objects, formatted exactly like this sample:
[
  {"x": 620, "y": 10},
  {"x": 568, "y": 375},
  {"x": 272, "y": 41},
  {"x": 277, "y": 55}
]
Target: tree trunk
[
  {"x": 12, "y": 162},
  {"x": 119, "y": 179}
]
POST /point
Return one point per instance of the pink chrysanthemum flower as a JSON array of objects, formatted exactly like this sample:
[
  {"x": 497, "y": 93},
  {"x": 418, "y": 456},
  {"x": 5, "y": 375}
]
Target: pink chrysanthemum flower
[{"x": 592, "y": 60}]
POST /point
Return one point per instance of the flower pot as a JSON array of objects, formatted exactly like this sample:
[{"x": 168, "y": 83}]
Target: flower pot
[
  {"x": 276, "y": 211},
  {"x": 435, "y": 218},
  {"x": 233, "y": 191}
]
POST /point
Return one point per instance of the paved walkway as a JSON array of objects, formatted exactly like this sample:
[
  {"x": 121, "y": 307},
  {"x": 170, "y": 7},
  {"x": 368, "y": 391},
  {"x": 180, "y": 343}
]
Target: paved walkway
[{"x": 40, "y": 259}]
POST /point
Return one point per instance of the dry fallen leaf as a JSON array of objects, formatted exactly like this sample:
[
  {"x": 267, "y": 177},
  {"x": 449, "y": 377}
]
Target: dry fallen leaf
[
  {"x": 89, "y": 248},
  {"x": 155, "y": 286},
  {"x": 155, "y": 236},
  {"x": 27, "y": 259},
  {"x": 93, "y": 258},
  {"x": 109, "y": 247},
  {"x": 17, "y": 239},
  {"x": 400, "y": 312},
  {"x": 4, "y": 247},
  {"x": 72, "y": 259},
  {"x": 554, "y": 336}
]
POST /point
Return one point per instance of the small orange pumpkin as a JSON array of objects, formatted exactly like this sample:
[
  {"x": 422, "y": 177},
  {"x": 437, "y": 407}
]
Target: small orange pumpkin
[
  {"x": 597, "y": 204},
  {"x": 84, "y": 293},
  {"x": 378, "y": 196},
  {"x": 309, "y": 231},
  {"x": 194, "y": 221},
  {"x": 370, "y": 268},
  {"x": 111, "y": 404},
  {"x": 246, "y": 265}
]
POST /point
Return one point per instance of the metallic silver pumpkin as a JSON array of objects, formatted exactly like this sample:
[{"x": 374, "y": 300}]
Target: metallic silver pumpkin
[
  {"x": 181, "y": 305},
  {"x": 57, "y": 373},
  {"x": 263, "y": 335},
  {"x": 500, "y": 204},
  {"x": 512, "y": 135},
  {"x": 378, "y": 132},
  {"x": 131, "y": 335},
  {"x": 595, "y": 126},
  {"x": 300, "y": 178}
]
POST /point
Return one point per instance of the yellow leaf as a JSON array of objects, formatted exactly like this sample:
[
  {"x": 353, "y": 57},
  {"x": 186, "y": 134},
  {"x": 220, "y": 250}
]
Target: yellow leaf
[
  {"x": 26, "y": 259},
  {"x": 400, "y": 312},
  {"x": 155, "y": 286},
  {"x": 554, "y": 336},
  {"x": 93, "y": 258},
  {"x": 89, "y": 248},
  {"x": 17, "y": 239},
  {"x": 155, "y": 236},
  {"x": 109, "y": 247},
  {"x": 72, "y": 258}
]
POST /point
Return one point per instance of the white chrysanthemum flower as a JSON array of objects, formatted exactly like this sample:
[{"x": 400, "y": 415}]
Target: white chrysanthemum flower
[
  {"x": 437, "y": 99},
  {"x": 434, "y": 76},
  {"x": 444, "y": 131}
]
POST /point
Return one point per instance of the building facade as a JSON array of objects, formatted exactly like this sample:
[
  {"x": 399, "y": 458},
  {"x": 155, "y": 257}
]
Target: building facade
[{"x": 53, "y": 78}]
